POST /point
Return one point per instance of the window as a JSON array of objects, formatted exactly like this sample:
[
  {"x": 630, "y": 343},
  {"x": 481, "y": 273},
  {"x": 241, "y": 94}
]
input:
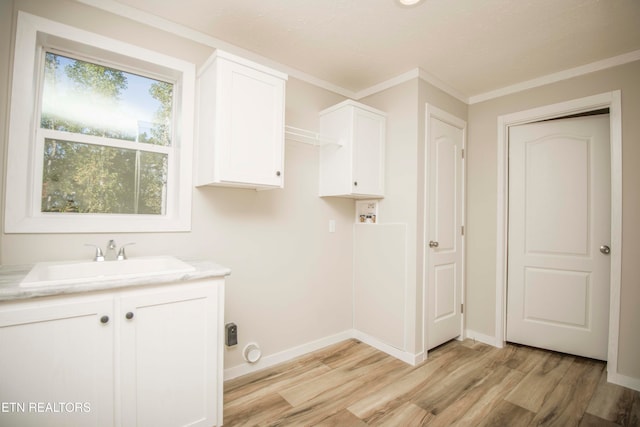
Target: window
[
  {"x": 122, "y": 167},
  {"x": 102, "y": 141}
]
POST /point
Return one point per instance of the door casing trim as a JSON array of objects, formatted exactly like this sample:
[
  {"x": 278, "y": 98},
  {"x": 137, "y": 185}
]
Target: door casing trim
[{"x": 611, "y": 100}]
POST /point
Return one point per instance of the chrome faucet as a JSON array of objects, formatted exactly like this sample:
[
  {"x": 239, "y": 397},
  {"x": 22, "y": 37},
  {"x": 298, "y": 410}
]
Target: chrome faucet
[
  {"x": 122, "y": 255},
  {"x": 110, "y": 252},
  {"x": 99, "y": 255}
]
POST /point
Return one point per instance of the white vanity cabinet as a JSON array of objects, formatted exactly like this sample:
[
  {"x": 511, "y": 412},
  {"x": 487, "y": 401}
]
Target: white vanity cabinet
[
  {"x": 240, "y": 113},
  {"x": 352, "y": 165},
  {"x": 171, "y": 356},
  {"x": 55, "y": 350},
  {"x": 133, "y": 357}
]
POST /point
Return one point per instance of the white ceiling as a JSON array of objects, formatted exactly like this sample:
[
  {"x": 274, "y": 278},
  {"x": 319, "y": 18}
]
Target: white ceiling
[{"x": 472, "y": 46}]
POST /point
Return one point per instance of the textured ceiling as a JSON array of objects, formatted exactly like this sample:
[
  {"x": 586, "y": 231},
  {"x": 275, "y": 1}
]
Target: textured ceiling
[{"x": 473, "y": 46}]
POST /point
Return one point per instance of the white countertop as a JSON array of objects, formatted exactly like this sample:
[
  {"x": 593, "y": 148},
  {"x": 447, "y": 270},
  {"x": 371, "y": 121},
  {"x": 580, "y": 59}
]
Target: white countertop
[{"x": 11, "y": 276}]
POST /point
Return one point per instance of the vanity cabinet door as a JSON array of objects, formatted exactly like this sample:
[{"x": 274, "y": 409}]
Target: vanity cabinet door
[
  {"x": 56, "y": 362},
  {"x": 171, "y": 355}
]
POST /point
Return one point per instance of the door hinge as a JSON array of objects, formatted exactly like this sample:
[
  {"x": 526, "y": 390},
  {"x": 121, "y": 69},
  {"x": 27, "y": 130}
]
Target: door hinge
[
  {"x": 462, "y": 230},
  {"x": 461, "y": 308},
  {"x": 462, "y": 151}
]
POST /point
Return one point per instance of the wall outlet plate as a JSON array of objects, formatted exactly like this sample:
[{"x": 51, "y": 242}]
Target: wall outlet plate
[{"x": 231, "y": 334}]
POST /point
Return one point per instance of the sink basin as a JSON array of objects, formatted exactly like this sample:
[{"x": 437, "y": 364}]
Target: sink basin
[{"x": 72, "y": 272}]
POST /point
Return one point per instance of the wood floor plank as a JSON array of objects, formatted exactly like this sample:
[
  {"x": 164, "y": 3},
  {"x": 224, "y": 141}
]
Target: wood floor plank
[
  {"x": 347, "y": 355},
  {"x": 303, "y": 392},
  {"x": 257, "y": 390},
  {"x": 634, "y": 412},
  {"x": 589, "y": 420},
  {"x": 540, "y": 381},
  {"x": 439, "y": 395},
  {"x": 566, "y": 404},
  {"x": 480, "y": 401},
  {"x": 266, "y": 409},
  {"x": 522, "y": 358},
  {"x": 507, "y": 414},
  {"x": 431, "y": 372},
  {"x": 340, "y": 396},
  {"x": 406, "y": 414},
  {"x": 613, "y": 403},
  {"x": 460, "y": 384},
  {"x": 342, "y": 418}
]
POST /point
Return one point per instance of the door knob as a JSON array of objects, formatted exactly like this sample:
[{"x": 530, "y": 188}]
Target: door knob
[
  {"x": 605, "y": 249},
  {"x": 433, "y": 244}
]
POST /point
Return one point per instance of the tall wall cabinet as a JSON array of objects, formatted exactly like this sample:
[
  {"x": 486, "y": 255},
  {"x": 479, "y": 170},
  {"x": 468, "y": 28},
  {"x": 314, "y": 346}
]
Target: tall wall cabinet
[
  {"x": 353, "y": 165},
  {"x": 240, "y": 123}
]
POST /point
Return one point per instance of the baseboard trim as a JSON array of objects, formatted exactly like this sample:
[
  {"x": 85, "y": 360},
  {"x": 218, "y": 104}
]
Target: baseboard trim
[
  {"x": 623, "y": 380},
  {"x": 486, "y": 339},
  {"x": 301, "y": 350},
  {"x": 406, "y": 357},
  {"x": 286, "y": 355}
]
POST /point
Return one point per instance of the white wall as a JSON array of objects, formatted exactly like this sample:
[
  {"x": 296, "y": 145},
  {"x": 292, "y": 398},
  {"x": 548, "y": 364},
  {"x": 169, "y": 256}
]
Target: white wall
[
  {"x": 482, "y": 199},
  {"x": 291, "y": 279}
]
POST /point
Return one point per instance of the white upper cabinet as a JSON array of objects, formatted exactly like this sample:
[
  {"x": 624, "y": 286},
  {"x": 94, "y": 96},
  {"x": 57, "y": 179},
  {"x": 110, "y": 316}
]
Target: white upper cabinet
[
  {"x": 240, "y": 123},
  {"x": 352, "y": 165}
]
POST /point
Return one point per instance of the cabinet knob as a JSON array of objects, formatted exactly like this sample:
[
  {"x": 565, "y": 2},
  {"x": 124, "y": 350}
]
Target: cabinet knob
[
  {"x": 129, "y": 315},
  {"x": 278, "y": 173},
  {"x": 104, "y": 319},
  {"x": 355, "y": 183}
]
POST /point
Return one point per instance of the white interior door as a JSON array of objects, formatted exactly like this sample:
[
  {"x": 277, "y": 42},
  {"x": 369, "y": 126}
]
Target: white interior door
[
  {"x": 559, "y": 218},
  {"x": 444, "y": 251}
]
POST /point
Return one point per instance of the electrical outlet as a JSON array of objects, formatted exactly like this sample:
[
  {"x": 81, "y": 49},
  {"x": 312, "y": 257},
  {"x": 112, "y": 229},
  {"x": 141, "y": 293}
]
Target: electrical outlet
[{"x": 231, "y": 335}]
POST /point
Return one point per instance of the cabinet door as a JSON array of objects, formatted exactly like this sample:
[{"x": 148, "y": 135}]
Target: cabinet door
[
  {"x": 56, "y": 362},
  {"x": 368, "y": 154},
  {"x": 252, "y": 126},
  {"x": 171, "y": 356}
]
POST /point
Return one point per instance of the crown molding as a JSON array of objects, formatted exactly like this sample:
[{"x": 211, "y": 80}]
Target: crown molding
[
  {"x": 151, "y": 20},
  {"x": 179, "y": 30},
  {"x": 556, "y": 77},
  {"x": 416, "y": 73}
]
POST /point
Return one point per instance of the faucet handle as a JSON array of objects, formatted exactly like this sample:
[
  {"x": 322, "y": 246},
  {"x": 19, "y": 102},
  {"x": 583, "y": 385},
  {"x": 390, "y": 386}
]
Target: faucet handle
[
  {"x": 122, "y": 255},
  {"x": 99, "y": 255}
]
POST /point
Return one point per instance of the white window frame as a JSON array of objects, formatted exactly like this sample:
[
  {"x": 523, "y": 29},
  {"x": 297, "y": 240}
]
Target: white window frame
[{"x": 23, "y": 184}]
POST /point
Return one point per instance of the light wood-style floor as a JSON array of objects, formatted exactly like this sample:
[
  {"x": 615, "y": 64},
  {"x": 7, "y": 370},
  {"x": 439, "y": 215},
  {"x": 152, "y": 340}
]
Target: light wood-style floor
[{"x": 461, "y": 383}]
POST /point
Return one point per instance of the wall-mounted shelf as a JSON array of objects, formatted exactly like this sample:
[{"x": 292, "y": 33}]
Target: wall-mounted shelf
[{"x": 307, "y": 137}]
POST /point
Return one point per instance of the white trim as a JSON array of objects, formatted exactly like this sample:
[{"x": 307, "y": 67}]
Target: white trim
[
  {"x": 624, "y": 381},
  {"x": 450, "y": 90},
  {"x": 286, "y": 355},
  {"x": 154, "y": 21},
  {"x": 556, "y": 77},
  {"x": 611, "y": 100},
  {"x": 431, "y": 111},
  {"x": 301, "y": 350},
  {"x": 416, "y": 73},
  {"x": 485, "y": 339},
  {"x": 21, "y": 215},
  {"x": 405, "y": 356},
  {"x": 171, "y": 27},
  {"x": 387, "y": 84}
]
